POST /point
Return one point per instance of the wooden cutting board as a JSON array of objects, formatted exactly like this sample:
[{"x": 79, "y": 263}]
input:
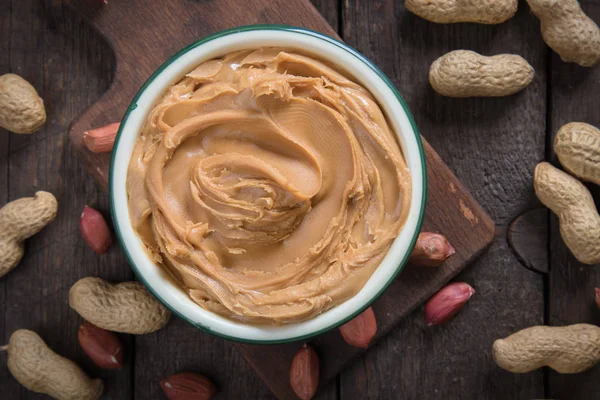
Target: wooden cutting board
[{"x": 145, "y": 33}]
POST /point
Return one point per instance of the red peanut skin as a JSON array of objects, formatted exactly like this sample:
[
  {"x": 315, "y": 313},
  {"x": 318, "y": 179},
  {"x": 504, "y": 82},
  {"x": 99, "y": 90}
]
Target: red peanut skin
[
  {"x": 101, "y": 140},
  {"x": 431, "y": 250},
  {"x": 188, "y": 386},
  {"x": 94, "y": 230},
  {"x": 359, "y": 332},
  {"x": 446, "y": 303},
  {"x": 102, "y": 346},
  {"x": 304, "y": 372}
]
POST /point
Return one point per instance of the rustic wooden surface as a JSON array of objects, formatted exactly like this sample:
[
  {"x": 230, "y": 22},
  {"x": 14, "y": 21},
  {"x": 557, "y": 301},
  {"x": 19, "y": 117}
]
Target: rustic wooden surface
[
  {"x": 574, "y": 92},
  {"x": 492, "y": 145},
  {"x": 527, "y": 235},
  {"x": 450, "y": 209},
  {"x": 413, "y": 286}
]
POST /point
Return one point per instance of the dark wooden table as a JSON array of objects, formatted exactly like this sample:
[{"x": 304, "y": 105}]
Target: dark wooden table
[{"x": 491, "y": 144}]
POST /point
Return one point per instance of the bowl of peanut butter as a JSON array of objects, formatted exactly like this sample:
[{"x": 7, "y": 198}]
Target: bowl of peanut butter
[{"x": 267, "y": 183}]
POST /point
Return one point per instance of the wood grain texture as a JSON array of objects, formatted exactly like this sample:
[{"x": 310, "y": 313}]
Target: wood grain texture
[
  {"x": 408, "y": 291},
  {"x": 52, "y": 48},
  {"x": 528, "y": 239},
  {"x": 178, "y": 22},
  {"x": 329, "y": 9},
  {"x": 575, "y": 97},
  {"x": 194, "y": 351},
  {"x": 493, "y": 146},
  {"x": 450, "y": 209},
  {"x": 5, "y": 32}
]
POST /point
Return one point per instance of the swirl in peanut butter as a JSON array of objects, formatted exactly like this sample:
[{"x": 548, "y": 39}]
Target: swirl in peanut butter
[{"x": 269, "y": 186}]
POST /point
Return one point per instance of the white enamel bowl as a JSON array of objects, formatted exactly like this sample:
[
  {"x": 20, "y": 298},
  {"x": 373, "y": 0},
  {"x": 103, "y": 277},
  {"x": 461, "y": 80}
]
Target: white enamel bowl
[{"x": 322, "y": 47}]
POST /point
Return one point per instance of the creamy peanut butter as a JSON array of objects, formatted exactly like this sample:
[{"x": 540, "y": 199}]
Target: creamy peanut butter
[{"x": 269, "y": 186}]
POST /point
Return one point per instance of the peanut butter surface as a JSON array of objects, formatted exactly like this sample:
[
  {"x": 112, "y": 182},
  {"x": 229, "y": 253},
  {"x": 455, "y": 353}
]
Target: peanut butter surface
[{"x": 269, "y": 186}]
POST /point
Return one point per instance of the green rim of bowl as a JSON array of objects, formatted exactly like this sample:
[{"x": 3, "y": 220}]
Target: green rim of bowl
[{"x": 303, "y": 31}]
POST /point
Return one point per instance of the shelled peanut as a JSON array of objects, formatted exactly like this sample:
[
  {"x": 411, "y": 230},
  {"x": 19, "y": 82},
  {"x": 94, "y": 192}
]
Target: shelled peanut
[
  {"x": 188, "y": 385},
  {"x": 446, "y": 303},
  {"x": 360, "y": 330},
  {"x": 431, "y": 250},
  {"x": 94, "y": 230},
  {"x": 304, "y": 372},
  {"x": 103, "y": 347},
  {"x": 101, "y": 140}
]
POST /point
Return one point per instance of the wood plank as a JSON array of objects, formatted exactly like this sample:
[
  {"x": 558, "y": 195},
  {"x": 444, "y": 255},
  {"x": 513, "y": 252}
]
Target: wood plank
[
  {"x": 575, "y": 97},
  {"x": 61, "y": 57},
  {"x": 182, "y": 348},
  {"x": 562, "y": 384},
  {"x": 179, "y": 27},
  {"x": 196, "y": 351},
  {"x": 5, "y": 34},
  {"x": 450, "y": 209},
  {"x": 26, "y": 59},
  {"x": 410, "y": 289},
  {"x": 528, "y": 239},
  {"x": 193, "y": 350},
  {"x": 85, "y": 186},
  {"x": 329, "y": 9},
  {"x": 492, "y": 145}
]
